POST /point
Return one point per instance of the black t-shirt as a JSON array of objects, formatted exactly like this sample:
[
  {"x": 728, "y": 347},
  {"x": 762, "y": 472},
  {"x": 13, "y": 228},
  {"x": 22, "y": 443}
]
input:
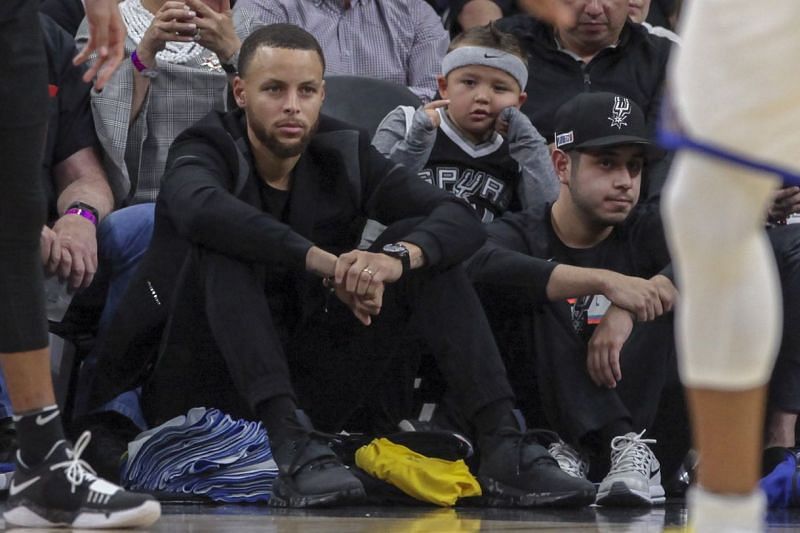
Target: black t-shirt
[
  {"x": 586, "y": 311},
  {"x": 636, "y": 247},
  {"x": 70, "y": 125},
  {"x": 275, "y": 201}
]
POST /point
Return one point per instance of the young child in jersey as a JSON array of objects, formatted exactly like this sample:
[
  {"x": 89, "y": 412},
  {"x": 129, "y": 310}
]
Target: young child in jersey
[{"x": 475, "y": 142}]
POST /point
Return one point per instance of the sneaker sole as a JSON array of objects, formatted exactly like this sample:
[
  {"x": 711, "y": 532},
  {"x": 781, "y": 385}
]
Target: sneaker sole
[
  {"x": 621, "y": 495},
  {"x": 142, "y": 516},
  {"x": 284, "y": 496},
  {"x": 496, "y": 494}
]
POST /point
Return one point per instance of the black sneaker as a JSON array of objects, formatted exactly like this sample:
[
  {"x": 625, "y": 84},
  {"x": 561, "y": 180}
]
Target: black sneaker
[
  {"x": 310, "y": 474},
  {"x": 517, "y": 471},
  {"x": 63, "y": 491}
]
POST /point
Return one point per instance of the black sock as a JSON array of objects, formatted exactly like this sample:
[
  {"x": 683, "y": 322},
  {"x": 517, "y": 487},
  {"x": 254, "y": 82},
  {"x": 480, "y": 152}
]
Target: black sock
[
  {"x": 598, "y": 445},
  {"x": 772, "y": 457},
  {"x": 275, "y": 414},
  {"x": 617, "y": 428},
  {"x": 490, "y": 418},
  {"x": 37, "y": 432}
]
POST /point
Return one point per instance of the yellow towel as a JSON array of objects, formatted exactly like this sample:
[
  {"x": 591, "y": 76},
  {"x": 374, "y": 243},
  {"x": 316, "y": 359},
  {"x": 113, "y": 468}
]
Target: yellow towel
[{"x": 424, "y": 478}]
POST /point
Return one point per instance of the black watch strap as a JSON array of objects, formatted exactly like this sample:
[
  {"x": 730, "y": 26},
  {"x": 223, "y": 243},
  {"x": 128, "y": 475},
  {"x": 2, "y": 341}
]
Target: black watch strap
[{"x": 398, "y": 251}]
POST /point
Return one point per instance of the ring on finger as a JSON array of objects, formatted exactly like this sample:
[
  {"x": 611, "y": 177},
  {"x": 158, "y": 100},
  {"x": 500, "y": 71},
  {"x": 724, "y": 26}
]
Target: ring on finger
[
  {"x": 368, "y": 271},
  {"x": 197, "y": 34}
]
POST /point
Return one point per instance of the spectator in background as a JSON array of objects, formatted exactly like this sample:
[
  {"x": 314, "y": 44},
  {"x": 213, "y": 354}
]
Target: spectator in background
[
  {"x": 639, "y": 10},
  {"x": 403, "y": 42},
  {"x": 466, "y": 14},
  {"x": 179, "y": 53}
]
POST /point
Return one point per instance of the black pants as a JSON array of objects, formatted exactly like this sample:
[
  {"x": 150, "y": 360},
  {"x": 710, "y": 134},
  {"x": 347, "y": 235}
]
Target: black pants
[
  {"x": 547, "y": 367},
  {"x": 784, "y": 387},
  {"x": 23, "y": 115},
  {"x": 322, "y": 355}
]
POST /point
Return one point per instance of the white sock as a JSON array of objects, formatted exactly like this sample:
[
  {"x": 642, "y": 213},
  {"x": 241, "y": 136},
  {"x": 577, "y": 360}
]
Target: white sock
[{"x": 711, "y": 512}]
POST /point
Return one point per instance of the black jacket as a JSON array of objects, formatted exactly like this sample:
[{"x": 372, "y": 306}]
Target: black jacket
[
  {"x": 210, "y": 201},
  {"x": 635, "y": 68}
]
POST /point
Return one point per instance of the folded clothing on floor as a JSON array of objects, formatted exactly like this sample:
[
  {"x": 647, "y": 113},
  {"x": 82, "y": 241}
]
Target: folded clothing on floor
[{"x": 204, "y": 453}]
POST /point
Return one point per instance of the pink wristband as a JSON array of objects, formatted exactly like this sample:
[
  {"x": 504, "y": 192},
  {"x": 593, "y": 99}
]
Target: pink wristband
[{"x": 85, "y": 213}]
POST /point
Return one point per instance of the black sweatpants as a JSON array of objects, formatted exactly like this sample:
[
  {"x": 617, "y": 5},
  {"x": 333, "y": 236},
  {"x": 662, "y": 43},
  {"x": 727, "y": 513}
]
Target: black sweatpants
[
  {"x": 547, "y": 367},
  {"x": 322, "y": 356},
  {"x": 23, "y": 116},
  {"x": 784, "y": 387}
]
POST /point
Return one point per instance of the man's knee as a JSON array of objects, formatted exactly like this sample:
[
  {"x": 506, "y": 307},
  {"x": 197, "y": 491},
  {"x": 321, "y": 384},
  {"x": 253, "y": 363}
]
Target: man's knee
[{"x": 126, "y": 233}]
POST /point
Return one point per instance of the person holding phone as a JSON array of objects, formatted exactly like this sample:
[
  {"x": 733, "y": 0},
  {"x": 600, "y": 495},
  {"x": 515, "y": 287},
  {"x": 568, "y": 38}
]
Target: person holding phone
[{"x": 180, "y": 54}]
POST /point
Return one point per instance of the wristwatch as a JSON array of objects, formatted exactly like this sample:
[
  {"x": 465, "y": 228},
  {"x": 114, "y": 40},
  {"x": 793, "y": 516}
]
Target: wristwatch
[
  {"x": 230, "y": 65},
  {"x": 398, "y": 251}
]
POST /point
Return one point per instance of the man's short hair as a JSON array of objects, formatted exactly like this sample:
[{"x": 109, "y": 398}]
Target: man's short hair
[
  {"x": 489, "y": 36},
  {"x": 287, "y": 36}
]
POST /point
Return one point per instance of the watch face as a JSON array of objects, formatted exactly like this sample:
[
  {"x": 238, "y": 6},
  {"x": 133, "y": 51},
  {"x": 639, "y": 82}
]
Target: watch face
[{"x": 395, "y": 249}]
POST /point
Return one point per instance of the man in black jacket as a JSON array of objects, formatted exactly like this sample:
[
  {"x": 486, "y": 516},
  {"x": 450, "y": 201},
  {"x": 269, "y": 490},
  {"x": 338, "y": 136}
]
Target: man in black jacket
[{"x": 247, "y": 293}]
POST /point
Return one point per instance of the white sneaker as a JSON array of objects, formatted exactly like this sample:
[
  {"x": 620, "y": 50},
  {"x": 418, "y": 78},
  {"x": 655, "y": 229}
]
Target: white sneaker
[
  {"x": 569, "y": 459},
  {"x": 635, "y": 475}
]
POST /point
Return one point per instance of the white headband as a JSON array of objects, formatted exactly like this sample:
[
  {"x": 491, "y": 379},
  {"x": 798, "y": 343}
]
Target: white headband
[{"x": 490, "y": 57}]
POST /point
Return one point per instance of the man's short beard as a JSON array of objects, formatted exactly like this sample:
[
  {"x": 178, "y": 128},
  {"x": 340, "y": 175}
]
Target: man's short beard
[{"x": 279, "y": 149}]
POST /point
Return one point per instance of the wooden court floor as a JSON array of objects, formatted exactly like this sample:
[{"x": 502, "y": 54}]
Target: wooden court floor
[{"x": 196, "y": 518}]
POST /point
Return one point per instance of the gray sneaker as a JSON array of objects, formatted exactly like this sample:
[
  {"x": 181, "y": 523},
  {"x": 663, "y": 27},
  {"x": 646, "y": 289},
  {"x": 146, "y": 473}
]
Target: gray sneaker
[
  {"x": 569, "y": 459},
  {"x": 635, "y": 475}
]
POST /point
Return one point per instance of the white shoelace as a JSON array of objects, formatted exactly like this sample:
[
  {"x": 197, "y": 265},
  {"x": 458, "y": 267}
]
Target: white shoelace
[
  {"x": 568, "y": 459},
  {"x": 76, "y": 469},
  {"x": 630, "y": 453}
]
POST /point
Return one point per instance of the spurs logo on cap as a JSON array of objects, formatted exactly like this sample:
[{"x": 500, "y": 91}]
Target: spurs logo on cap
[{"x": 620, "y": 111}]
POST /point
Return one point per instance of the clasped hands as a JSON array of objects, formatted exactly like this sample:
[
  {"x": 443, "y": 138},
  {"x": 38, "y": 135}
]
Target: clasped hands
[{"x": 359, "y": 280}]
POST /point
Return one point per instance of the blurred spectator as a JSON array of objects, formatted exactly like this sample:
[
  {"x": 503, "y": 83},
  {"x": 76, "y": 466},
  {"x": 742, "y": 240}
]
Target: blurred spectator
[
  {"x": 175, "y": 76},
  {"x": 639, "y": 10},
  {"x": 403, "y": 42}
]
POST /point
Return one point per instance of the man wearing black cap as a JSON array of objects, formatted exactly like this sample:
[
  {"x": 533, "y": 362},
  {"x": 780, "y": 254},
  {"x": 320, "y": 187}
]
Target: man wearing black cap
[{"x": 592, "y": 275}]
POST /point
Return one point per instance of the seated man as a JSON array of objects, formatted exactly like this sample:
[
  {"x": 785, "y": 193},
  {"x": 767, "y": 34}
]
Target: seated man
[
  {"x": 598, "y": 371},
  {"x": 402, "y": 42},
  {"x": 245, "y": 298}
]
